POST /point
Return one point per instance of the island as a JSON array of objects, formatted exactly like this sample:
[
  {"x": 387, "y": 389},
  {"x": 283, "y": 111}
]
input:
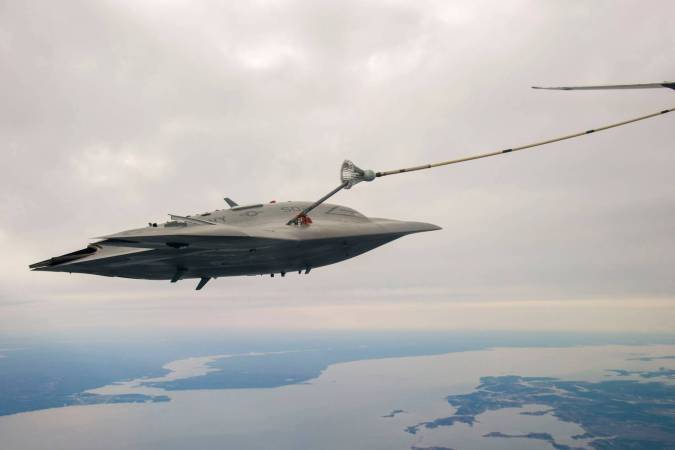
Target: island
[
  {"x": 431, "y": 448},
  {"x": 393, "y": 413},
  {"x": 87, "y": 398}
]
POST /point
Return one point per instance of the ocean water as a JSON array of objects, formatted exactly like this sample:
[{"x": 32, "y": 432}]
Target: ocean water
[{"x": 342, "y": 408}]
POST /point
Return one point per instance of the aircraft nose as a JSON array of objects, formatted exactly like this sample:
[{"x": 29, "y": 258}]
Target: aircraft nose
[
  {"x": 418, "y": 227},
  {"x": 399, "y": 226}
]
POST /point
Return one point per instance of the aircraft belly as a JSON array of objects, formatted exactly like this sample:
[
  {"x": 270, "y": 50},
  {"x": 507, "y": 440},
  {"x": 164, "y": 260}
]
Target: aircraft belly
[{"x": 266, "y": 257}]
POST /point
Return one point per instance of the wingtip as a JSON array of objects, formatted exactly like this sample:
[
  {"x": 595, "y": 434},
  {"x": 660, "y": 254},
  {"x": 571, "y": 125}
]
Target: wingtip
[{"x": 553, "y": 88}]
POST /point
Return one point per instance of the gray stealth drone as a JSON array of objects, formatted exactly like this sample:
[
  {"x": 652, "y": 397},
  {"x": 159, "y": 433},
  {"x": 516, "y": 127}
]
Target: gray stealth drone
[
  {"x": 265, "y": 238},
  {"x": 242, "y": 240}
]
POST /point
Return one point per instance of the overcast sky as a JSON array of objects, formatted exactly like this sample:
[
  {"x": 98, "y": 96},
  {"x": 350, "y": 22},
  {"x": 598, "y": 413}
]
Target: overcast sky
[{"x": 114, "y": 114}]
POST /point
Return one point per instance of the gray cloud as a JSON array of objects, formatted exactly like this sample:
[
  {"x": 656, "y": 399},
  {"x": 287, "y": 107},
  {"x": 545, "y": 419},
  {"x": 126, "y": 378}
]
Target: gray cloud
[{"x": 114, "y": 114}]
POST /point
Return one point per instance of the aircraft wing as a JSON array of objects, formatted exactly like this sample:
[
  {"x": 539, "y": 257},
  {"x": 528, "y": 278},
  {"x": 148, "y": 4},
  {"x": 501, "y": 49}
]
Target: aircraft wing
[
  {"x": 93, "y": 252},
  {"x": 665, "y": 84}
]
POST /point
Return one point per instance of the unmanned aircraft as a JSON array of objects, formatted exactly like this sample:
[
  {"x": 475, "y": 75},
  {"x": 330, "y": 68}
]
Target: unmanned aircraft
[{"x": 267, "y": 239}]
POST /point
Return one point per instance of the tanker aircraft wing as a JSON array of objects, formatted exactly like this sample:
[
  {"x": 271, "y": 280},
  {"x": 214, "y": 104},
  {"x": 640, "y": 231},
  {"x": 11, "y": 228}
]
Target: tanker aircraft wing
[{"x": 665, "y": 84}]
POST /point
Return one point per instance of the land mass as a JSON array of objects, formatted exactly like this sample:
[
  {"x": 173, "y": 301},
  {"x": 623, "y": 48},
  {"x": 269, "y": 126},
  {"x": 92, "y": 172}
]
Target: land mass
[
  {"x": 393, "y": 413},
  {"x": 47, "y": 373},
  {"x": 616, "y": 414},
  {"x": 662, "y": 372}
]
